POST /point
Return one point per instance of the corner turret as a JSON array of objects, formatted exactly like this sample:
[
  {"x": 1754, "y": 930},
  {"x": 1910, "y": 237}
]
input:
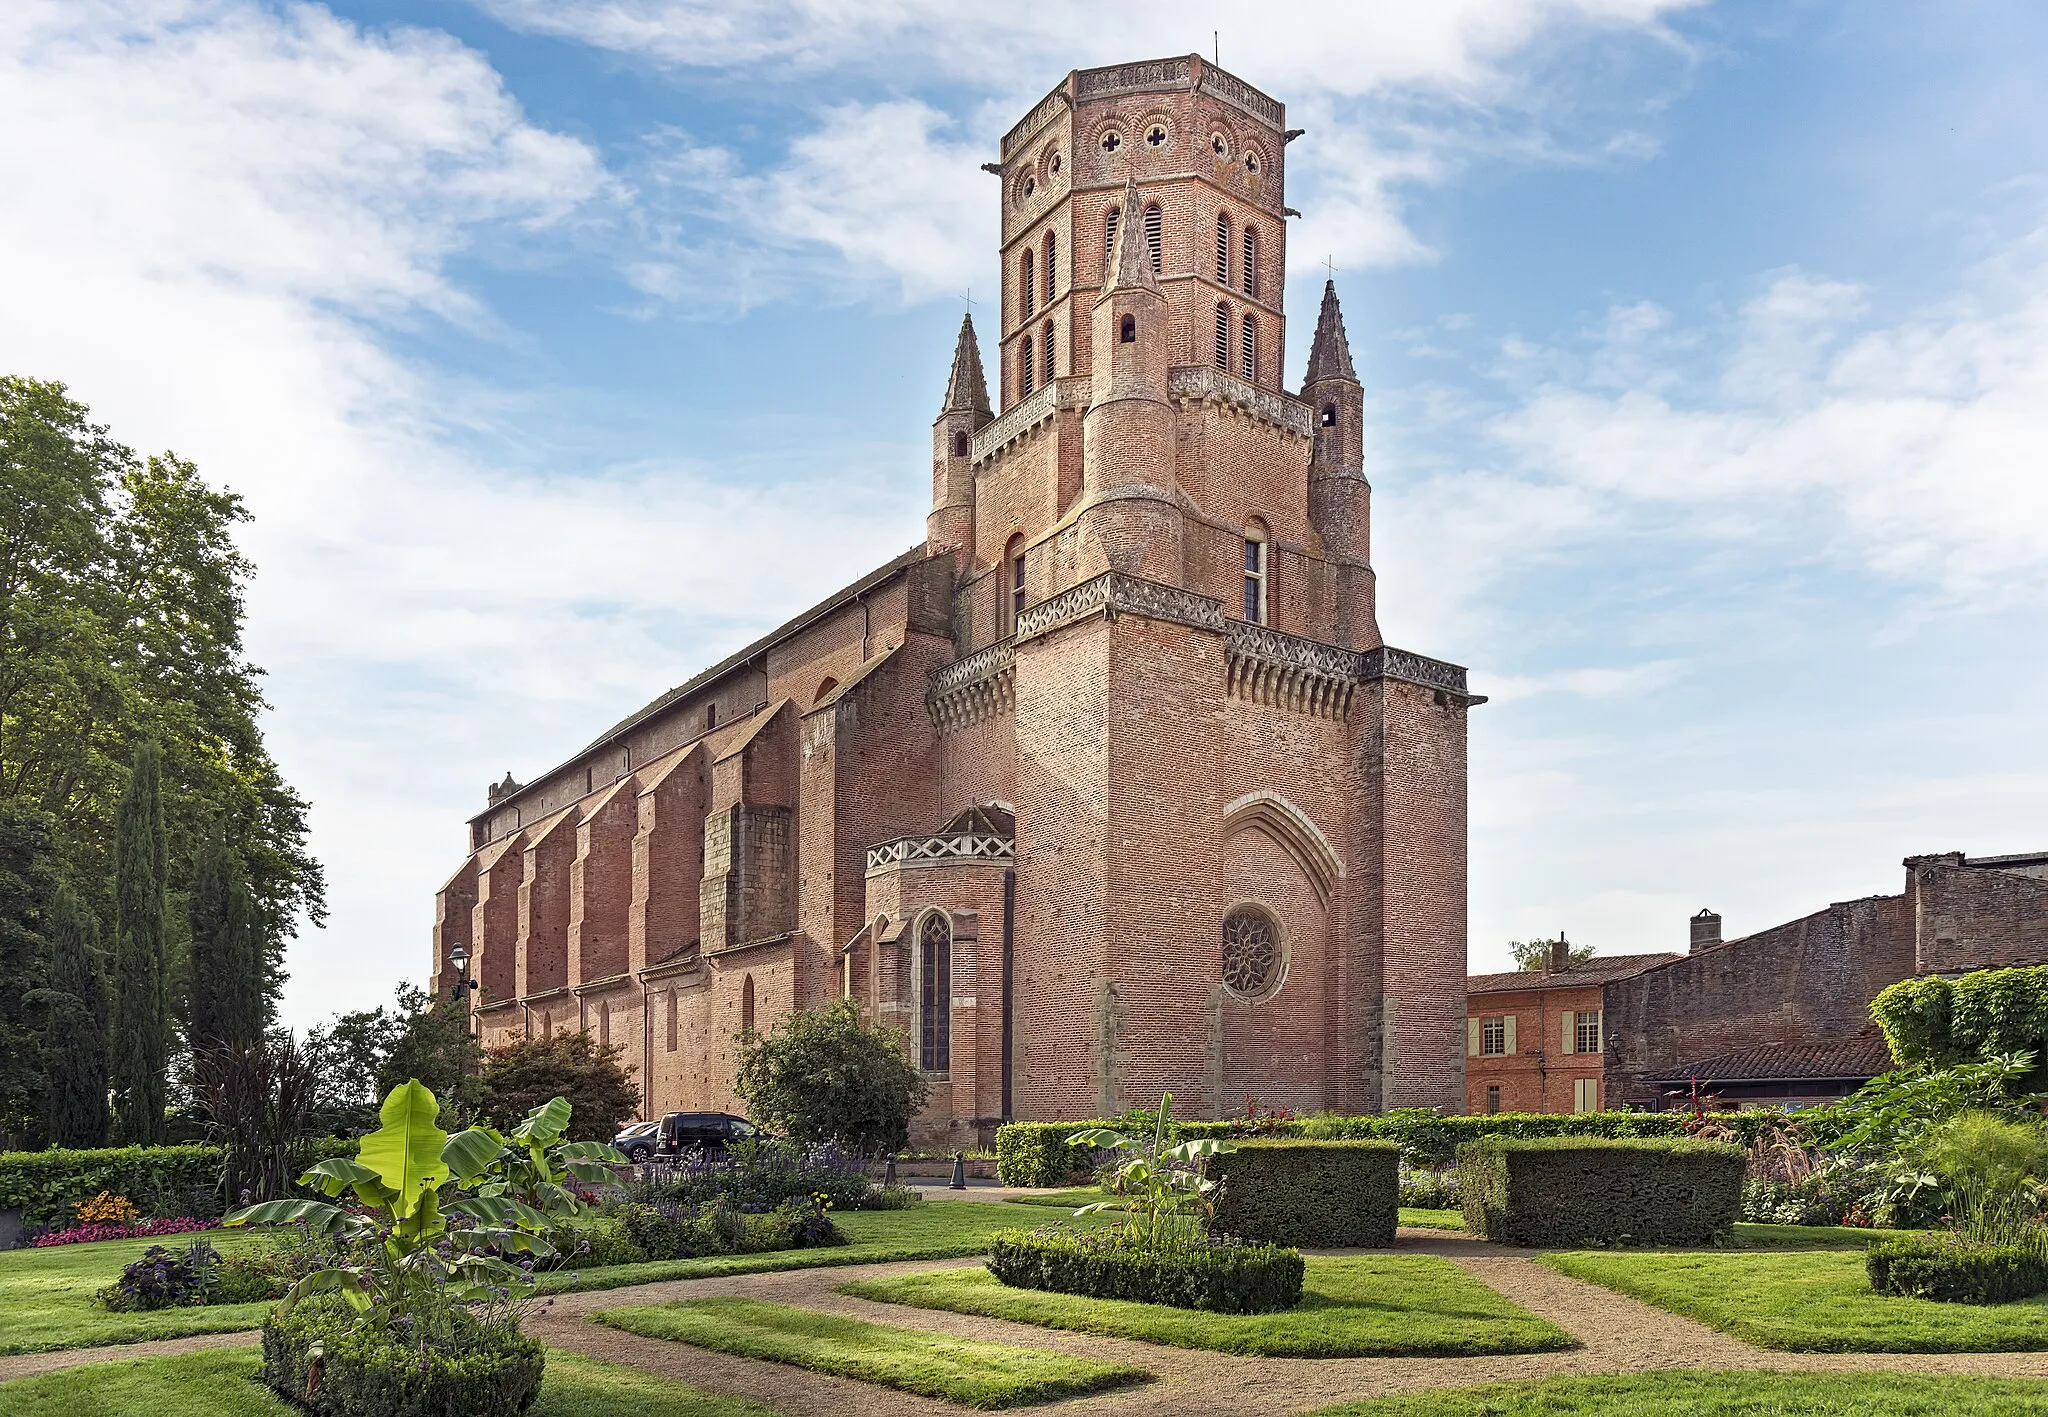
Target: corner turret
[
  {"x": 1339, "y": 497},
  {"x": 950, "y": 526}
]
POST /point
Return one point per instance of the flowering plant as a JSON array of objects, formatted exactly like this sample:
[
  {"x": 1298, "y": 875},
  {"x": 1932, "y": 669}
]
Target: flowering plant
[
  {"x": 106, "y": 1208},
  {"x": 141, "y": 1230}
]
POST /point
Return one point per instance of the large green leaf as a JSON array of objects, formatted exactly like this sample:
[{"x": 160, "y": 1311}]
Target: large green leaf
[
  {"x": 470, "y": 1153},
  {"x": 501, "y": 1210},
  {"x": 319, "y": 1216},
  {"x": 406, "y": 1151},
  {"x": 594, "y": 1151},
  {"x": 327, "y": 1281},
  {"x": 545, "y": 1123}
]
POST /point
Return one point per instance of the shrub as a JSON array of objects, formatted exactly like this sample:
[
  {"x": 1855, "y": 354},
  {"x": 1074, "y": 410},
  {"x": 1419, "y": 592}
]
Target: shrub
[
  {"x": 674, "y": 1230},
  {"x": 140, "y": 1230},
  {"x": 825, "y": 1075},
  {"x": 1307, "y": 1192},
  {"x": 158, "y": 1180},
  {"x": 758, "y": 1174},
  {"x": 1037, "y": 1154},
  {"x": 1940, "y": 1022},
  {"x": 1430, "y": 1190},
  {"x": 164, "y": 1279},
  {"x": 479, "y": 1367},
  {"x": 1226, "y": 1276},
  {"x": 606, "y": 1241},
  {"x": 1575, "y": 1191},
  {"x": 1957, "y": 1269},
  {"x": 894, "y": 1196},
  {"x": 525, "y": 1074}
]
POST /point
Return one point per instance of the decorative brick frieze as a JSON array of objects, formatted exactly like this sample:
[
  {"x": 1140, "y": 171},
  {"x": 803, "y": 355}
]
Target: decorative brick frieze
[
  {"x": 1132, "y": 78},
  {"x": 971, "y": 689},
  {"x": 1290, "y": 672},
  {"x": 1196, "y": 383},
  {"x": 940, "y": 850},
  {"x": 1390, "y": 663},
  {"x": 1239, "y": 94},
  {"x": 1027, "y": 414},
  {"x": 1112, "y": 593},
  {"x": 1032, "y": 122}
]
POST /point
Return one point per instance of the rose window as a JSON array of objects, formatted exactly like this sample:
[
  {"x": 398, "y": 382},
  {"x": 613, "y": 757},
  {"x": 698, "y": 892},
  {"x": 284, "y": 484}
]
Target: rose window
[{"x": 1251, "y": 953}]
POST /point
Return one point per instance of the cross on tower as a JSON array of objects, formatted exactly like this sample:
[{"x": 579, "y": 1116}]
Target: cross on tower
[{"x": 1330, "y": 267}]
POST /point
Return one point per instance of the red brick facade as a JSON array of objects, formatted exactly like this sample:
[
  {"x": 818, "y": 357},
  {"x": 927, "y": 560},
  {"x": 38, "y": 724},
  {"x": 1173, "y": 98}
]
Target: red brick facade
[
  {"x": 1535, "y": 1039},
  {"x": 1108, "y": 788}
]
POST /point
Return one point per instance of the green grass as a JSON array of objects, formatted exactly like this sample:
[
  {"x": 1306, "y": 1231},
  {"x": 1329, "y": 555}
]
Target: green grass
[
  {"x": 224, "y": 1383},
  {"x": 1807, "y": 1237},
  {"x": 1354, "y": 1307},
  {"x": 1679, "y": 1394},
  {"x": 966, "y": 1371},
  {"x": 1812, "y": 1301},
  {"x": 1432, "y": 1219},
  {"x": 46, "y": 1296}
]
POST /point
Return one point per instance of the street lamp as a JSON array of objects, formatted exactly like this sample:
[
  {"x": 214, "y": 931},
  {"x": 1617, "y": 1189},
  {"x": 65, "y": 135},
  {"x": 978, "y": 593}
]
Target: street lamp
[{"x": 458, "y": 993}]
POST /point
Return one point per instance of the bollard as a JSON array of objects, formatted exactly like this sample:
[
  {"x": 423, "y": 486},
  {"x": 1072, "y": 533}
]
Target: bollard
[{"x": 959, "y": 1181}]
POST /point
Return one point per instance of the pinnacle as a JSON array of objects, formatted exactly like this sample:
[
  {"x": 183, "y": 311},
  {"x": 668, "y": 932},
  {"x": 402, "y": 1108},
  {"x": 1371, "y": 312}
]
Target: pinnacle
[
  {"x": 1131, "y": 262},
  {"x": 1329, "y": 357},
  {"x": 966, "y": 389}
]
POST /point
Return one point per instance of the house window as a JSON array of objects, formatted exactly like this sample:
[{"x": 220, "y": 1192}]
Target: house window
[
  {"x": 1046, "y": 355},
  {"x": 1251, "y": 262},
  {"x": 1255, "y": 575},
  {"x": 1586, "y": 1095},
  {"x": 1222, "y": 336},
  {"x": 1249, "y": 353},
  {"x": 935, "y": 989},
  {"x": 959, "y": 445},
  {"x": 1024, "y": 370},
  {"x": 1222, "y": 249},
  {"x": 1155, "y": 234},
  {"x": 1586, "y": 1032},
  {"x": 1492, "y": 1097},
  {"x": 1493, "y": 1037},
  {"x": 1030, "y": 286},
  {"x": 1052, "y": 268}
]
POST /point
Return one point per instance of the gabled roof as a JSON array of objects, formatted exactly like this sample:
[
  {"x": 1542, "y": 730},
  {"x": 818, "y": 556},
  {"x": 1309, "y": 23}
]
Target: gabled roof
[
  {"x": 1601, "y": 969},
  {"x": 1857, "y": 1059}
]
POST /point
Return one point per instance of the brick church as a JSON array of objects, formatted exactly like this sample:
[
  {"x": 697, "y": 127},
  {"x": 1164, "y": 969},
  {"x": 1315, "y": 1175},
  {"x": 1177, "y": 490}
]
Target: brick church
[{"x": 1108, "y": 786}]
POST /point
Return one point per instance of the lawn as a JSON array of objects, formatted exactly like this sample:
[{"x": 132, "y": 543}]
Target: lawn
[
  {"x": 46, "y": 1296},
  {"x": 1078, "y": 1196},
  {"x": 1678, "y": 1394},
  {"x": 223, "y": 1383},
  {"x": 1811, "y": 1301},
  {"x": 966, "y": 1371},
  {"x": 1352, "y": 1307}
]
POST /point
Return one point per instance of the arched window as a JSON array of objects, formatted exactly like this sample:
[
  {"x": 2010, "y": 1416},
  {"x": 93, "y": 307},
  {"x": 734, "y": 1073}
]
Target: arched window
[
  {"x": 1029, "y": 287},
  {"x": 825, "y": 686},
  {"x": 959, "y": 444},
  {"x": 1155, "y": 234},
  {"x": 934, "y": 993},
  {"x": 1251, "y": 262},
  {"x": 1127, "y": 332},
  {"x": 1052, "y": 265},
  {"x": 1248, "y": 364},
  {"x": 1329, "y": 415},
  {"x": 1222, "y": 249},
  {"x": 747, "y": 1004},
  {"x": 1013, "y": 583},
  {"x": 1255, "y": 574},
  {"x": 1024, "y": 369},
  {"x": 1222, "y": 336},
  {"x": 1045, "y": 355},
  {"x": 1109, "y": 241}
]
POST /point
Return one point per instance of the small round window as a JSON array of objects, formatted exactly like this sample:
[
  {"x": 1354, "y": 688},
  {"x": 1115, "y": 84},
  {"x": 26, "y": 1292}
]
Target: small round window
[
  {"x": 1251, "y": 953},
  {"x": 1053, "y": 166},
  {"x": 1030, "y": 185},
  {"x": 1155, "y": 136},
  {"x": 1219, "y": 145},
  {"x": 1111, "y": 140}
]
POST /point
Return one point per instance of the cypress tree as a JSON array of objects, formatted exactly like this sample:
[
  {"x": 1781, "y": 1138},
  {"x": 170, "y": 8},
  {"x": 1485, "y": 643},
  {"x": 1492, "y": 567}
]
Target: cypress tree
[
  {"x": 247, "y": 999},
  {"x": 213, "y": 964},
  {"x": 140, "y": 1041},
  {"x": 75, "y": 1026},
  {"x": 27, "y": 881}
]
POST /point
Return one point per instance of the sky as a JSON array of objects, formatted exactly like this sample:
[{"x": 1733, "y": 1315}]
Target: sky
[{"x": 560, "y": 347}]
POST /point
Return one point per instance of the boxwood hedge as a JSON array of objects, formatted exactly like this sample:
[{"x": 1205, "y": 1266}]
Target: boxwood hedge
[
  {"x": 161, "y": 1180},
  {"x": 1294, "y": 1192},
  {"x": 485, "y": 1371},
  {"x": 1225, "y": 1276},
  {"x": 1955, "y": 1269},
  {"x": 1583, "y": 1190}
]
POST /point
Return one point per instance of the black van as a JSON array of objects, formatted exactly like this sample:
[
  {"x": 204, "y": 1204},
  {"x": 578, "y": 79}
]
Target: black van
[{"x": 711, "y": 1131}]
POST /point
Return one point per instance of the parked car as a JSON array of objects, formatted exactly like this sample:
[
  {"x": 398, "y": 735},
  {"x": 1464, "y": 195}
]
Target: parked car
[
  {"x": 637, "y": 1139},
  {"x": 708, "y": 1131}
]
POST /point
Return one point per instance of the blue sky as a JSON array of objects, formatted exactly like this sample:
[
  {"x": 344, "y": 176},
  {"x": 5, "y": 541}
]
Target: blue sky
[{"x": 562, "y": 346}]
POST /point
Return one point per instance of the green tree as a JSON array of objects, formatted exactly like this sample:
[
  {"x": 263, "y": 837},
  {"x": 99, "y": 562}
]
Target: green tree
[
  {"x": 825, "y": 1075},
  {"x": 74, "y": 1016},
  {"x": 141, "y": 1032},
  {"x": 121, "y": 609},
  {"x": 27, "y": 882},
  {"x": 363, "y": 1055},
  {"x": 525, "y": 1074},
  {"x": 228, "y": 968},
  {"x": 1988, "y": 1013},
  {"x": 1535, "y": 954}
]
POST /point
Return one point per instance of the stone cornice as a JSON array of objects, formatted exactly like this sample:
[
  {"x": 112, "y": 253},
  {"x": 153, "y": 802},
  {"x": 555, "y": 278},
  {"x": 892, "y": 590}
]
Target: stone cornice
[
  {"x": 971, "y": 688},
  {"x": 1027, "y": 413},
  {"x": 1113, "y": 593},
  {"x": 1290, "y": 672},
  {"x": 1191, "y": 383},
  {"x": 1387, "y": 662}
]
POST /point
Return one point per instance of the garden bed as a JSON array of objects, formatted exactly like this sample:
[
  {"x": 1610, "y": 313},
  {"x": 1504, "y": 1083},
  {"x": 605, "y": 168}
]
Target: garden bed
[
  {"x": 1677, "y": 1394},
  {"x": 1359, "y": 1306},
  {"x": 967, "y": 1371},
  {"x": 1815, "y": 1301}
]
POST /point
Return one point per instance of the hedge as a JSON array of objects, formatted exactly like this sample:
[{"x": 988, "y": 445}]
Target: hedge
[
  {"x": 1226, "y": 1277},
  {"x": 165, "y": 1181},
  {"x": 485, "y": 1371},
  {"x": 1037, "y": 1154},
  {"x": 1941, "y": 1022},
  {"x": 1581, "y": 1190},
  {"x": 1955, "y": 1269},
  {"x": 1324, "y": 1193}
]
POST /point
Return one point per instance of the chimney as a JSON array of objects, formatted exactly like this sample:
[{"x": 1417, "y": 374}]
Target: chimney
[
  {"x": 1560, "y": 954},
  {"x": 1706, "y": 931}
]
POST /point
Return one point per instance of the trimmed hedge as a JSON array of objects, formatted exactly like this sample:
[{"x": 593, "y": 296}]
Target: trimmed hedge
[
  {"x": 1955, "y": 1269},
  {"x": 1225, "y": 1277},
  {"x": 484, "y": 1372},
  {"x": 1577, "y": 1191},
  {"x": 1037, "y": 1154},
  {"x": 1323, "y": 1193},
  {"x": 165, "y": 1181}
]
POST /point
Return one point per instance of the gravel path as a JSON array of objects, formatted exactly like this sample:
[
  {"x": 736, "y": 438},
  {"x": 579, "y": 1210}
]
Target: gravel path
[{"x": 24, "y": 1365}]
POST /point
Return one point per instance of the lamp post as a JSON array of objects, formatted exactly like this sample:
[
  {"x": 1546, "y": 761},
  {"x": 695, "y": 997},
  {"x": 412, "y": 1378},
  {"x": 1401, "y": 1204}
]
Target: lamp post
[{"x": 458, "y": 956}]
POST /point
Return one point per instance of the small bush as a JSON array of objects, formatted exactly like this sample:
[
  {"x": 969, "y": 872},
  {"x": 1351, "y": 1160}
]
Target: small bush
[
  {"x": 1037, "y": 1154},
  {"x": 894, "y": 1196},
  {"x": 1957, "y": 1269},
  {"x": 480, "y": 1369},
  {"x": 1430, "y": 1190},
  {"x": 668, "y": 1230},
  {"x": 600, "y": 1242},
  {"x": 757, "y": 1174},
  {"x": 163, "y": 1279},
  {"x": 1307, "y": 1192},
  {"x": 1579, "y": 1191},
  {"x": 1224, "y": 1276}
]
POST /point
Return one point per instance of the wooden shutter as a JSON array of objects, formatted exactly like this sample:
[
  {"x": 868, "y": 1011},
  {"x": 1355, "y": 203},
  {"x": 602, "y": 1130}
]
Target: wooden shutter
[
  {"x": 1508, "y": 1027},
  {"x": 1471, "y": 1037},
  {"x": 1570, "y": 1024}
]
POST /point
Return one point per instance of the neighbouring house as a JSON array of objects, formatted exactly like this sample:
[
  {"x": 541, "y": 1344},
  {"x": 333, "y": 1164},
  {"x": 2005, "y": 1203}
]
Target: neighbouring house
[
  {"x": 1535, "y": 1039},
  {"x": 1783, "y": 1015}
]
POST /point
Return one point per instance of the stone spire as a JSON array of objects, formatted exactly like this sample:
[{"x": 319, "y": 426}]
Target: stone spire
[
  {"x": 1329, "y": 357},
  {"x": 967, "y": 390},
  {"x": 1130, "y": 264}
]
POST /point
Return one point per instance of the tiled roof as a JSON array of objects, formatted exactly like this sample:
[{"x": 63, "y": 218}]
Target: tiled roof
[
  {"x": 1601, "y": 969},
  {"x": 1859, "y": 1058}
]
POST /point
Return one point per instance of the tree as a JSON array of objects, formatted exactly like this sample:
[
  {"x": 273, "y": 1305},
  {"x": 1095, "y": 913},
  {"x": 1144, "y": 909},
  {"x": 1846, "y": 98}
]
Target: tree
[
  {"x": 824, "y": 1075},
  {"x": 121, "y": 608},
  {"x": 1535, "y": 954},
  {"x": 74, "y": 1014},
  {"x": 363, "y": 1055},
  {"x": 141, "y": 1042},
  {"x": 523, "y": 1075},
  {"x": 27, "y": 882},
  {"x": 227, "y": 982},
  {"x": 1986, "y": 1013}
]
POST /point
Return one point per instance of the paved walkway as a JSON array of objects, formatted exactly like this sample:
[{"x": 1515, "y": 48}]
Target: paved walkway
[{"x": 1615, "y": 1334}]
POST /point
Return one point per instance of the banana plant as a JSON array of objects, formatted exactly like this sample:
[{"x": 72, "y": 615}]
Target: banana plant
[
  {"x": 402, "y": 1250},
  {"x": 1165, "y": 1188},
  {"x": 531, "y": 1166}
]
